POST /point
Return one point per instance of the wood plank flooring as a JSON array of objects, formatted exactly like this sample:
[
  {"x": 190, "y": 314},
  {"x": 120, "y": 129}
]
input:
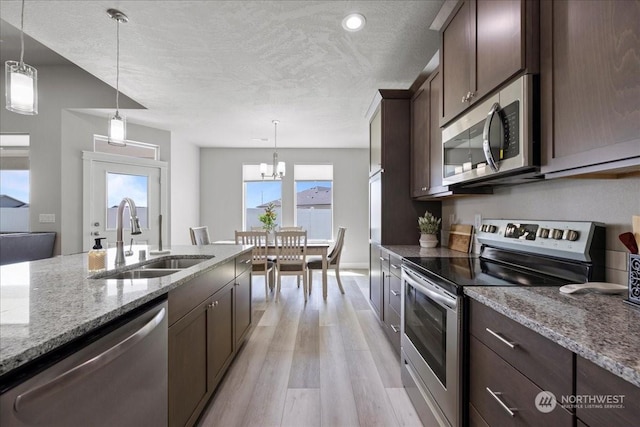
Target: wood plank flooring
[{"x": 324, "y": 363}]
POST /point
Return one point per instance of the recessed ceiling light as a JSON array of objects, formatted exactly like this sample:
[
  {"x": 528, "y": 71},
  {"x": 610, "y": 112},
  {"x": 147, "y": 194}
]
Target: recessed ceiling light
[{"x": 353, "y": 22}]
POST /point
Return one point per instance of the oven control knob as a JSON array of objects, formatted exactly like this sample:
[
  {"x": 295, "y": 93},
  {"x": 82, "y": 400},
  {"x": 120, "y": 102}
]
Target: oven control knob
[
  {"x": 492, "y": 229},
  {"x": 543, "y": 233},
  {"x": 483, "y": 227},
  {"x": 570, "y": 235},
  {"x": 556, "y": 234}
]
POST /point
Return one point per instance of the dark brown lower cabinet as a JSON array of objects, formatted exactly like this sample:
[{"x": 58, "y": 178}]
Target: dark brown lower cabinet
[
  {"x": 375, "y": 279},
  {"x": 594, "y": 382},
  {"x": 503, "y": 396},
  {"x": 392, "y": 285},
  {"x": 242, "y": 305},
  {"x": 220, "y": 339}
]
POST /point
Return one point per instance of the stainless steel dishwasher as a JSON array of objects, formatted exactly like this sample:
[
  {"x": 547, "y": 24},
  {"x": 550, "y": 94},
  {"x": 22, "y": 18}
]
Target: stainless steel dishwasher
[{"x": 120, "y": 379}]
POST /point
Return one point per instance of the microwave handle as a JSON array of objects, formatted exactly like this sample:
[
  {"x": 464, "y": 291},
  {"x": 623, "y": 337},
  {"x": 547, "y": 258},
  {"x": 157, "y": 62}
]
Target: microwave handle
[{"x": 486, "y": 144}]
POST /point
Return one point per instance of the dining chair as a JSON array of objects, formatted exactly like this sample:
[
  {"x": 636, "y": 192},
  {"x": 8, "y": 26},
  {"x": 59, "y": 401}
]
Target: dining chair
[
  {"x": 261, "y": 265},
  {"x": 291, "y": 257},
  {"x": 199, "y": 235},
  {"x": 333, "y": 260}
]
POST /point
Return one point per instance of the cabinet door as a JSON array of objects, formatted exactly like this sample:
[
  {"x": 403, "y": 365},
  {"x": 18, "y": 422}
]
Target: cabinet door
[
  {"x": 457, "y": 60},
  {"x": 375, "y": 280},
  {"x": 590, "y": 85},
  {"x": 243, "y": 306},
  {"x": 420, "y": 141},
  {"x": 435, "y": 133},
  {"x": 220, "y": 333},
  {"x": 499, "y": 47},
  {"x": 188, "y": 387},
  {"x": 375, "y": 141}
]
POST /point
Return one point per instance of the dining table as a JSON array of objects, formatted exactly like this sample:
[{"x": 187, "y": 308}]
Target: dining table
[{"x": 313, "y": 249}]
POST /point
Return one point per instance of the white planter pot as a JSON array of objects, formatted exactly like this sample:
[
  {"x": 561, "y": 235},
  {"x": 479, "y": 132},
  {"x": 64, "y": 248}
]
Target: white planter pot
[{"x": 428, "y": 240}]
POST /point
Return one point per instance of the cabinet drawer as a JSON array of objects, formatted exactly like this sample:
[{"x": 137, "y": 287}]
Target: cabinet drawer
[
  {"x": 395, "y": 262},
  {"x": 184, "y": 298},
  {"x": 243, "y": 263},
  {"x": 495, "y": 388},
  {"x": 385, "y": 258},
  {"x": 592, "y": 380},
  {"x": 541, "y": 360},
  {"x": 392, "y": 320},
  {"x": 395, "y": 294}
]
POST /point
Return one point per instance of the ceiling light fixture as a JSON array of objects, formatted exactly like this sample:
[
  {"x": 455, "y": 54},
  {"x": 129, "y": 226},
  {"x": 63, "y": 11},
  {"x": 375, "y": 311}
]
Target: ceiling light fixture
[
  {"x": 21, "y": 81},
  {"x": 117, "y": 123},
  {"x": 278, "y": 168},
  {"x": 354, "y": 22}
]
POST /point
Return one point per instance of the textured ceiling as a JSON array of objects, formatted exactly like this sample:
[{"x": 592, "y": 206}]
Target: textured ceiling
[{"x": 216, "y": 73}]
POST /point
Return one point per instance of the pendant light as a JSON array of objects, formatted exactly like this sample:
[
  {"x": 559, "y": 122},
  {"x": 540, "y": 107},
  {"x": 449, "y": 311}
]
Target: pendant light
[
  {"x": 21, "y": 81},
  {"x": 117, "y": 123},
  {"x": 279, "y": 168}
]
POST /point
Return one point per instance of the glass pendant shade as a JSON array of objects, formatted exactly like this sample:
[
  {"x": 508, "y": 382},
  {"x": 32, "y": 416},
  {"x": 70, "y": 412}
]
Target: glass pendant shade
[
  {"x": 21, "y": 85},
  {"x": 117, "y": 130},
  {"x": 281, "y": 169},
  {"x": 263, "y": 169}
]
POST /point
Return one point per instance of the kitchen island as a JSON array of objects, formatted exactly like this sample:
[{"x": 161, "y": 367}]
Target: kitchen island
[{"x": 49, "y": 303}]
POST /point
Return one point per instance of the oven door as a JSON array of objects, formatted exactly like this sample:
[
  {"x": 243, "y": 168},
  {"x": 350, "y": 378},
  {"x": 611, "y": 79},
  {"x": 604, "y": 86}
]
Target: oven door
[
  {"x": 431, "y": 338},
  {"x": 493, "y": 137}
]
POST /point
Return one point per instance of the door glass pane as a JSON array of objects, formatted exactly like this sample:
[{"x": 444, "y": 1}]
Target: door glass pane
[
  {"x": 14, "y": 201},
  {"x": 314, "y": 208},
  {"x": 257, "y": 195},
  {"x": 135, "y": 187}
]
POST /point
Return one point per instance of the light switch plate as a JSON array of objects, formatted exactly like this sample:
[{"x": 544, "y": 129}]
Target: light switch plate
[{"x": 47, "y": 218}]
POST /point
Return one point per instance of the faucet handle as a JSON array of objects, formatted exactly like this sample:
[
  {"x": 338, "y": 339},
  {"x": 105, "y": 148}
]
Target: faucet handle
[{"x": 130, "y": 251}]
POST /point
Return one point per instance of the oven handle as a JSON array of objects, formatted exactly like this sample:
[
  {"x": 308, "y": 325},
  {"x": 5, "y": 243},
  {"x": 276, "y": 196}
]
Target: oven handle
[
  {"x": 486, "y": 144},
  {"x": 423, "y": 286}
]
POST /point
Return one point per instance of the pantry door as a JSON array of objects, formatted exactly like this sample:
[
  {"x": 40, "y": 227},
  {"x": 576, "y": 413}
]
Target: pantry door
[{"x": 107, "y": 180}]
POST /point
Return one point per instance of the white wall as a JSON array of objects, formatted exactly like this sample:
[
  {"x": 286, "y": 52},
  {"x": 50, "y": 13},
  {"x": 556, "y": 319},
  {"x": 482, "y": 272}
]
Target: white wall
[
  {"x": 59, "y": 87},
  {"x": 222, "y": 192},
  {"x": 611, "y": 201},
  {"x": 185, "y": 190}
]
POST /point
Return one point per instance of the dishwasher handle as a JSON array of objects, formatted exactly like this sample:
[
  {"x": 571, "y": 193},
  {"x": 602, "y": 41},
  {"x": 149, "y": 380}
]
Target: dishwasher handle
[{"x": 80, "y": 371}]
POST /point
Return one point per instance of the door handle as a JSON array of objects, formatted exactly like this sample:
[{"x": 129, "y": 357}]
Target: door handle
[
  {"x": 496, "y": 395},
  {"x": 80, "y": 371},
  {"x": 395, "y": 293},
  {"x": 486, "y": 143}
]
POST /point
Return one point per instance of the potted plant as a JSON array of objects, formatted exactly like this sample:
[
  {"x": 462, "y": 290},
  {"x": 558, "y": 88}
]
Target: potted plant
[
  {"x": 429, "y": 226},
  {"x": 268, "y": 218}
]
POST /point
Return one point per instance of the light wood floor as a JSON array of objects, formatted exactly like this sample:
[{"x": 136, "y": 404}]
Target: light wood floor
[{"x": 326, "y": 363}]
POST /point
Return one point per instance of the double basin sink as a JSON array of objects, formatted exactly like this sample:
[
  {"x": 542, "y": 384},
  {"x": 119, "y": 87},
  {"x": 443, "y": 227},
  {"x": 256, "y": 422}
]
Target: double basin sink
[{"x": 154, "y": 268}]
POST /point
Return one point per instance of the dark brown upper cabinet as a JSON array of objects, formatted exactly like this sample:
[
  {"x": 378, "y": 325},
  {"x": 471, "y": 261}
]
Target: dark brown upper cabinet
[
  {"x": 484, "y": 44},
  {"x": 590, "y": 87}
]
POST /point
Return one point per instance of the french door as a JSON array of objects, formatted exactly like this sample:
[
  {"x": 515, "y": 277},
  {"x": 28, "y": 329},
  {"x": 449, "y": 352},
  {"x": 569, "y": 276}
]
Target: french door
[{"x": 107, "y": 180}]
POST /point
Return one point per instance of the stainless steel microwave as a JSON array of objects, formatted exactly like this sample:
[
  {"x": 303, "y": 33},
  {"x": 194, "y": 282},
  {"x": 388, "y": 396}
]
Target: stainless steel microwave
[{"x": 495, "y": 139}]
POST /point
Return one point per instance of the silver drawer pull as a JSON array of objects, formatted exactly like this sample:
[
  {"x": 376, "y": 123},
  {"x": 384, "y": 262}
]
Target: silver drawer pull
[
  {"x": 495, "y": 395},
  {"x": 508, "y": 343},
  {"x": 394, "y": 266},
  {"x": 247, "y": 261},
  {"x": 382, "y": 259},
  {"x": 395, "y": 293},
  {"x": 395, "y": 329}
]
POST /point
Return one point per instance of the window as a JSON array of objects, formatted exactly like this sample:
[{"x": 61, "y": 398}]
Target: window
[
  {"x": 314, "y": 200},
  {"x": 133, "y": 186},
  {"x": 14, "y": 183},
  {"x": 258, "y": 193}
]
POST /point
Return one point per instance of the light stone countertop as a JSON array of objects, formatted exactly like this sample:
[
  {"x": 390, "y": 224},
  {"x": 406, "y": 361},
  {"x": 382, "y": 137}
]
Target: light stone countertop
[
  {"x": 600, "y": 328},
  {"x": 47, "y": 303}
]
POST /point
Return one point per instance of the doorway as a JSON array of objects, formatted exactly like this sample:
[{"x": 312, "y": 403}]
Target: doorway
[{"x": 108, "y": 179}]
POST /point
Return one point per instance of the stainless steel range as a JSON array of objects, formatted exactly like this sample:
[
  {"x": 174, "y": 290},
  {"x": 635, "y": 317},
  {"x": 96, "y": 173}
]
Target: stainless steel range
[{"x": 513, "y": 253}]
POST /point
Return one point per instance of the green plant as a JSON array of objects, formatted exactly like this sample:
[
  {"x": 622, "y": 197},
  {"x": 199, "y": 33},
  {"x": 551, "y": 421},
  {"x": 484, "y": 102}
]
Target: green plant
[
  {"x": 428, "y": 223},
  {"x": 268, "y": 218}
]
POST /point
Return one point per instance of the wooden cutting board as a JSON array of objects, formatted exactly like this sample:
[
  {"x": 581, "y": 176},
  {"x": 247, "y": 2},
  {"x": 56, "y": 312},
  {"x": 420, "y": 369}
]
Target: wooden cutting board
[{"x": 460, "y": 237}]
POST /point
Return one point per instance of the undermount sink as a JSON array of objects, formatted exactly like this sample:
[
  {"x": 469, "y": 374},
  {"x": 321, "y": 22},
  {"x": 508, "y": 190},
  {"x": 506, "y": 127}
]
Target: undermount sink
[
  {"x": 140, "y": 274},
  {"x": 174, "y": 263}
]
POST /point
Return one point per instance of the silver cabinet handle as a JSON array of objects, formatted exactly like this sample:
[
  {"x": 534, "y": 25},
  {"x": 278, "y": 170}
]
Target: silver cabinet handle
[
  {"x": 382, "y": 259},
  {"x": 395, "y": 328},
  {"x": 80, "y": 371},
  {"x": 395, "y": 293},
  {"x": 501, "y": 338},
  {"x": 486, "y": 144},
  {"x": 496, "y": 395},
  {"x": 247, "y": 261},
  {"x": 394, "y": 266}
]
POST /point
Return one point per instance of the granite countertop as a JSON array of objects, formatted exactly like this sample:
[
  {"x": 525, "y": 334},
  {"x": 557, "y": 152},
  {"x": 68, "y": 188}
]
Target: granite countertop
[
  {"x": 406, "y": 251},
  {"x": 47, "y": 303},
  {"x": 600, "y": 328}
]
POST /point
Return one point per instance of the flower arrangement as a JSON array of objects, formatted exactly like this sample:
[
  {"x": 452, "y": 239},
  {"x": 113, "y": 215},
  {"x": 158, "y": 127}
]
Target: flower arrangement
[
  {"x": 428, "y": 224},
  {"x": 268, "y": 218}
]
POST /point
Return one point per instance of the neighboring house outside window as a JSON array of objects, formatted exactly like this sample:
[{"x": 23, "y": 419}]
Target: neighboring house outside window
[{"x": 314, "y": 200}]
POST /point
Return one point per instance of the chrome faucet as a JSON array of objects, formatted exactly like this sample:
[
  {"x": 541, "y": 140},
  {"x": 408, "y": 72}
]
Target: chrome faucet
[{"x": 135, "y": 228}]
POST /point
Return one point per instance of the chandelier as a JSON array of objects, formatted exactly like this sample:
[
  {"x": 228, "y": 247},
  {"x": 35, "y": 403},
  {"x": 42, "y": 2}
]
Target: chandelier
[
  {"x": 117, "y": 123},
  {"x": 21, "y": 81},
  {"x": 277, "y": 168}
]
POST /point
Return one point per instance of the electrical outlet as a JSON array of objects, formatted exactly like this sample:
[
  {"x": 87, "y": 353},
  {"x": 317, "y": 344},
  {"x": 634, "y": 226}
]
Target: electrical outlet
[
  {"x": 452, "y": 218},
  {"x": 478, "y": 221},
  {"x": 47, "y": 218}
]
